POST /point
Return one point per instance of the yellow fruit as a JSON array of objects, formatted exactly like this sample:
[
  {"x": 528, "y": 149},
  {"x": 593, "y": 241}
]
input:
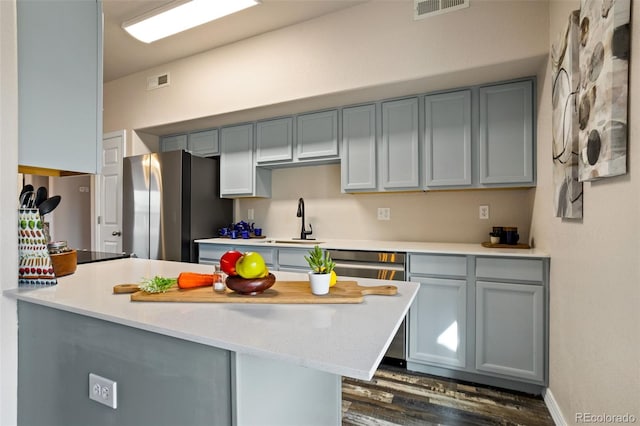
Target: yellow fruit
[
  {"x": 265, "y": 273},
  {"x": 334, "y": 279}
]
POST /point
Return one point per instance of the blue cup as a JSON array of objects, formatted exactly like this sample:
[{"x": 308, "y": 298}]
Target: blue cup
[
  {"x": 223, "y": 232},
  {"x": 233, "y": 234},
  {"x": 245, "y": 234},
  {"x": 257, "y": 232},
  {"x": 511, "y": 236}
]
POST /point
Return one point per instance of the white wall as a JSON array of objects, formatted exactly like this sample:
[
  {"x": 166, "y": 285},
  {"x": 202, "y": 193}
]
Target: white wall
[
  {"x": 595, "y": 267},
  {"x": 450, "y": 216},
  {"x": 8, "y": 212},
  {"x": 367, "y": 52},
  {"x": 71, "y": 220},
  {"x": 364, "y": 48}
]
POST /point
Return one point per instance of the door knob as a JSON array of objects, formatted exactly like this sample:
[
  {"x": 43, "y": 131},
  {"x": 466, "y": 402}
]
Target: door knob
[{"x": 116, "y": 233}]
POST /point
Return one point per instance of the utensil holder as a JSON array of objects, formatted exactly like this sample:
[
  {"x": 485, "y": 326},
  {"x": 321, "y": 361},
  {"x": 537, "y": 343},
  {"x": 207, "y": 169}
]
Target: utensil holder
[{"x": 35, "y": 267}]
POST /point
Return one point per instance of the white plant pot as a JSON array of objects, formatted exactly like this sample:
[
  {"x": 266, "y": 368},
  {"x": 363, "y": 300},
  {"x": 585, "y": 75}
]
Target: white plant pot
[{"x": 319, "y": 283}]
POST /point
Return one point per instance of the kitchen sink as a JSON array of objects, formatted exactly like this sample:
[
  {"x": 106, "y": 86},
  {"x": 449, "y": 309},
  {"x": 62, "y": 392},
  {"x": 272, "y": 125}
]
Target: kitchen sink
[{"x": 301, "y": 242}]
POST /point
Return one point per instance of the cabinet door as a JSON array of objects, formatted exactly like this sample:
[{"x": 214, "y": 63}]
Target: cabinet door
[
  {"x": 510, "y": 329},
  {"x": 400, "y": 151},
  {"x": 359, "y": 148},
  {"x": 437, "y": 322},
  {"x": 317, "y": 135},
  {"x": 205, "y": 143},
  {"x": 60, "y": 84},
  {"x": 173, "y": 143},
  {"x": 236, "y": 160},
  {"x": 274, "y": 140},
  {"x": 506, "y": 133},
  {"x": 447, "y": 139}
]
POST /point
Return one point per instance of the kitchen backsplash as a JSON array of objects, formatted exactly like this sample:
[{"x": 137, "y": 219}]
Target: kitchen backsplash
[{"x": 450, "y": 216}]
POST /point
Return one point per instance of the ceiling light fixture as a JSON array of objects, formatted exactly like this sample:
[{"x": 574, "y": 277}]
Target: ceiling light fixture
[{"x": 181, "y": 15}]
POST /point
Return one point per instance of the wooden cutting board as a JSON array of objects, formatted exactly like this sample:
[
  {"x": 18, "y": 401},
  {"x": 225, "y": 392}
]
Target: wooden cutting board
[{"x": 286, "y": 292}]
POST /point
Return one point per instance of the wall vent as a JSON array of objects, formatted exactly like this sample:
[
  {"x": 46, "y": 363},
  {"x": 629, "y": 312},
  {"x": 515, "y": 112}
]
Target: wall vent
[
  {"x": 158, "y": 81},
  {"x": 426, "y": 8}
]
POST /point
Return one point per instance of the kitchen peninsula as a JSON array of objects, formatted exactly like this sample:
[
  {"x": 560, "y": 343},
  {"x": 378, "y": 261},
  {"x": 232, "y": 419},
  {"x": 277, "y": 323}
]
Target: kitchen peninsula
[{"x": 192, "y": 363}]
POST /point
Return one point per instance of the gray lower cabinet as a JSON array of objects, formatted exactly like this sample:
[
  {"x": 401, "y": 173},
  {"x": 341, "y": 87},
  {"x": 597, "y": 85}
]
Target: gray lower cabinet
[
  {"x": 447, "y": 139},
  {"x": 480, "y": 318},
  {"x": 437, "y": 330},
  {"x": 173, "y": 143},
  {"x": 160, "y": 380},
  {"x": 400, "y": 153},
  {"x": 317, "y": 135},
  {"x": 510, "y": 329},
  {"x": 292, "y": 260},
  {"x": 210, "y": 254},
  {"x": 506, "y": 148},
  {"x": 60, "y": 84},
  {"x": 239, "y": 176},
  {"x": 358, "y": 159}
]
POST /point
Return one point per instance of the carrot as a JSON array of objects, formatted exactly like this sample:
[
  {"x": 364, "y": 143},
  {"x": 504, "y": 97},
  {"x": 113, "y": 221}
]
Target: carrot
[{"x": 194, "y": 279}]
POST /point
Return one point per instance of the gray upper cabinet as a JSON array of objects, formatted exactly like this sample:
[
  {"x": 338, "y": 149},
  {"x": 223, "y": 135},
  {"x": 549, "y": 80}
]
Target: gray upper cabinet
[
  {"x": 238, "y": 175},
  {"x": 60, "y": 53},
  {"x": 400, "y": 157},
  {"x": 274, "y": 140},
  {"x": 204, "y": 143},
  {"x": 447, "y": 138},
  {"x": 317, "y": 135},
  {"x": 358, "y": 160},
  {"x": 506, "y": 148},
  {"x": 173, "y": 143}
]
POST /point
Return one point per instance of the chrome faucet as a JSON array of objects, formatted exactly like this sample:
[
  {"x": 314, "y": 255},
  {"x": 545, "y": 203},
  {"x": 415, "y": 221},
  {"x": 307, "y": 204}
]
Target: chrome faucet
[{"x": 303, "y": 231}]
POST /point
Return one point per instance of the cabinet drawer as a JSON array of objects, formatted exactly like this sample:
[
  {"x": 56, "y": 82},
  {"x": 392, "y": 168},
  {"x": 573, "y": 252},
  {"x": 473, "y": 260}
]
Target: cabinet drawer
[
  {"x": 211, "y": 252},
  {"x": 292, "y": 257},
  {"x": 434, "y": 264},
  {"x": 510, "y": 269}
]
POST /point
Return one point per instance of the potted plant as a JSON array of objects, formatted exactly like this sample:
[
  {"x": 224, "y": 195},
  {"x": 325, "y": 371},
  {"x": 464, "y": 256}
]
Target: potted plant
[{"x": 321, "y": 267}]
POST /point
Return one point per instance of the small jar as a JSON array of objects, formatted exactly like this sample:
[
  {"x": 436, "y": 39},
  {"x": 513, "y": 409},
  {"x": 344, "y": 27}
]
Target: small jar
[
  {"x": 57, "y": 247},
  {"x": 219, "y": 285}
]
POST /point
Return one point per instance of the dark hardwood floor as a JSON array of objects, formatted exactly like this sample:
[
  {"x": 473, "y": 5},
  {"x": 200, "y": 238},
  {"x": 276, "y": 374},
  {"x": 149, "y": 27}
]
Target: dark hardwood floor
[{"x": 397, "y": 397}]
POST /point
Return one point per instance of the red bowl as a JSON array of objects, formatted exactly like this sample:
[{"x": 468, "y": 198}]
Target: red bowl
[{"x": 250, "y": 286}]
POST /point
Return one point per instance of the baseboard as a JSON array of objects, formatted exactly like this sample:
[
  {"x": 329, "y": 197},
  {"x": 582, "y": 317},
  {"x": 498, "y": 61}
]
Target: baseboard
[{"x": 553, "y": 408}]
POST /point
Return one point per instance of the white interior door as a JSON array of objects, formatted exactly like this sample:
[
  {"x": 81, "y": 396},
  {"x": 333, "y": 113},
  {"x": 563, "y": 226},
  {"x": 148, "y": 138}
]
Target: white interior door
[{"x": 109, "y": 194}]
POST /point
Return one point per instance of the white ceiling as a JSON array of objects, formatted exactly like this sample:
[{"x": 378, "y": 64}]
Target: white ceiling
[{"x": 124, "y": 55}]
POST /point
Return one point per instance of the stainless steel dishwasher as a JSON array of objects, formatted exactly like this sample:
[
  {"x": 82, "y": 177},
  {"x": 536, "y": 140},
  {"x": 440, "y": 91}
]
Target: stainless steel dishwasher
[{"x": 378, "y": 265}]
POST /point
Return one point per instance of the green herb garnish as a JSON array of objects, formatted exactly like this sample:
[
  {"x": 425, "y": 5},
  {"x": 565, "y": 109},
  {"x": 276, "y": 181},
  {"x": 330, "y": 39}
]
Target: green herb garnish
[{"x": 157, "y": 284}]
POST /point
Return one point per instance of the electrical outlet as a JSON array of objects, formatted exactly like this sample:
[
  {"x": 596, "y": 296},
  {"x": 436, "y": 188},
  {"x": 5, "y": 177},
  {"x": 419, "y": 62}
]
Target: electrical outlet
[
  {"x": 384, "y": 213},
  {"x": 103, "y": 390},
  {"x": 483, "y": 212},
  {"x": 250, "y": 214}
]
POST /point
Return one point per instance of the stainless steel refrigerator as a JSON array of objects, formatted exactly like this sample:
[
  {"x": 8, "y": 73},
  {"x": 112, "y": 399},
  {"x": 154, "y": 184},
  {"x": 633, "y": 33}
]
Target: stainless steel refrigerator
[{"x": 169, "y": 200}]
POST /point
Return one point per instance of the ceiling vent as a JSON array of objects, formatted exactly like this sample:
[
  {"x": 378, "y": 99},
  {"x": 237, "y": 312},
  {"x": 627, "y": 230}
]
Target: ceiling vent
[
  {"x": 426, "y": 8},
  {"x": 158, "y": 81}
]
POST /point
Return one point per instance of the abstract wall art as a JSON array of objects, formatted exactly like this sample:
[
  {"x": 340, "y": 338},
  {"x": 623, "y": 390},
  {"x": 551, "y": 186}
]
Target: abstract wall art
[
  {"x": 603, "y": 88},
  {"x": 565, "y": 88}
]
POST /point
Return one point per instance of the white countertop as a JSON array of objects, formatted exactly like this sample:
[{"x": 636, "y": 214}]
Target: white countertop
[
  {"x": 475, "y": 249},
  {"x": 348, "y": 340}
]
